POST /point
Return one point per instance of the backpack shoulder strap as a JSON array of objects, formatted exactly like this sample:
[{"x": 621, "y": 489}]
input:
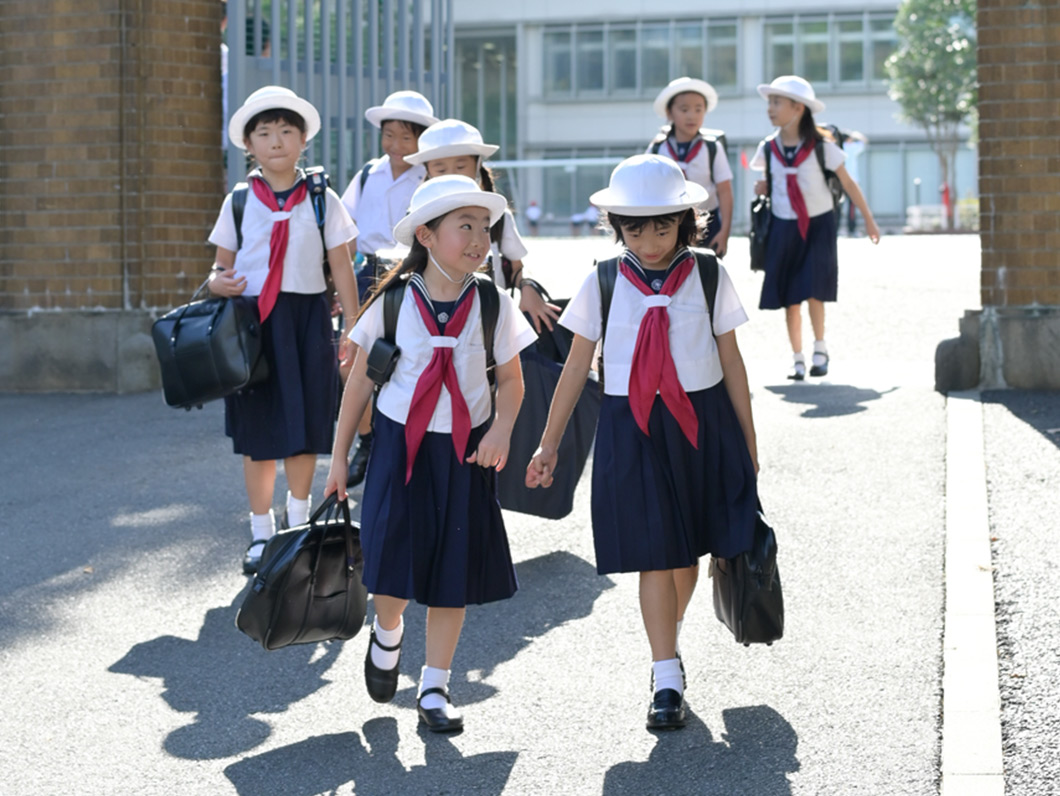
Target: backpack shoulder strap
[
  {"x": 768, "y": 152},
  {"x": 392, "y": 298},
  {"x": 491, "y": 307},
  {"x": 364, "y": 173},
  {"x": 317, "y": 186},
  {"x": 712, "y": 151},
  {"x": 239, "y": 204},
  {"x": 656, "y": 143},
  {"x": 819, "y": 149},
  {"x": 708, "y": 276},
  {"x": 606, "y": 274}
]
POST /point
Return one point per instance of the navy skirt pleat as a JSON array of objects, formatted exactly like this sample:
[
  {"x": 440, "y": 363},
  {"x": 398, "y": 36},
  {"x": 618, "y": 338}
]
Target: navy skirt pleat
[
  {"x": 797, "y": 269},
  {"x": 440, "y": 539},
  {"x": 659, "y": 503},
  {"x": 293, "y": 411}
]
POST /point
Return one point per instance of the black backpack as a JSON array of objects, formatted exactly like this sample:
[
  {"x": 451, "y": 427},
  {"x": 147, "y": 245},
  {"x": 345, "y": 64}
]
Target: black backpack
[
  {"x": 607, "y": 274},
  {"x": 710, "y": 137},
  {"x": 317, "y": 183}
]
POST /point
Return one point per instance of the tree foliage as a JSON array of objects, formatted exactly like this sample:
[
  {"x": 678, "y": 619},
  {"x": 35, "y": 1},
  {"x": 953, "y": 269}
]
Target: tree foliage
[{"x": 933, "y": 71}]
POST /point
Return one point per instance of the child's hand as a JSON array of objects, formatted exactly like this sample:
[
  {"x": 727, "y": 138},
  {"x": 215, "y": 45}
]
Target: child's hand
[
  {"x": 872, "y": 230},
  {"x": 719, "y": 244},
  {"x": 227, "y": 283},
  {"x": 540, "y": 312},
  {"x": 492, "y": 450},
  {"x": 336, "y": 478},
  {"x": 761, "y": 189},
  {"x": 542, "y": 466}
]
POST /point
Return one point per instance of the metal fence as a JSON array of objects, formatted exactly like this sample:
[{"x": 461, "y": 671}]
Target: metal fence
[{"x": 343, "y": 56}]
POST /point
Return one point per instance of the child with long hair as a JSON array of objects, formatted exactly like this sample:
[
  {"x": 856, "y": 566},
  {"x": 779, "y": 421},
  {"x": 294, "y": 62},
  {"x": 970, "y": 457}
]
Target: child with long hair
[
  {"x": 801, "y": 264},
  {"x": 674, "y": 468},
  {"x": 431, "y": 526}
]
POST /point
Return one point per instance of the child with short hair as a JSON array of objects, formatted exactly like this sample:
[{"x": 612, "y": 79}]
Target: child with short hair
[
  {"x": 281, "y": 264},
  {"x": 684, "y": 103},
  {"x": 431, "y": 526},
  {"x": 801, "y": 262},
  {"x": 675, "y": 462},
  {"x": 377, "y": 198}
]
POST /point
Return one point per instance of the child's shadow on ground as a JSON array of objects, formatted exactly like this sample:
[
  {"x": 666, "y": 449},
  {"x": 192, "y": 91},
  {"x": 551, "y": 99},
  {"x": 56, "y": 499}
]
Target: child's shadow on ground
[
  {"x": 554, "y": 589},
  {"x": 829, "y": 400},
  {"x": 224, "y": 679},
  {"x": 329, "y": 762},
  {"x": 754, "y": 755}
]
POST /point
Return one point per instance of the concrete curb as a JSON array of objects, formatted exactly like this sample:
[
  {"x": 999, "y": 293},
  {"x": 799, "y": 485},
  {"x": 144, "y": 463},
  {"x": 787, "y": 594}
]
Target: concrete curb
[{"x": 971, "y": 710}]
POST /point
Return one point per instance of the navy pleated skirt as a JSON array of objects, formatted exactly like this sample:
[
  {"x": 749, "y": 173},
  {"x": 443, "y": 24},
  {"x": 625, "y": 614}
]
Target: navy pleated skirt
[
  {"x": 713, "y": 227},
  {"x": 797, "y": 269},
  {"x": 659, "y": 503},
  {"x": 440, "y": 539},
  {"x": 293, "y": 412}
]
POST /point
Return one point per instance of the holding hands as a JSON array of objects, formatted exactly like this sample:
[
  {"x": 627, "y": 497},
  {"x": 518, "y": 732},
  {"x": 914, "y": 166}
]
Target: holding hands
[{"x": 542, "y": 466}]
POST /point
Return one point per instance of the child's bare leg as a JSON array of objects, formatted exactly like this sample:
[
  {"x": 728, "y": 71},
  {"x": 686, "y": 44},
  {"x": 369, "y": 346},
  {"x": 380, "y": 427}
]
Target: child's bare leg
[
  {"x": 443, "y": 633},
  {"x": 793, "y": 316},
  {"x": 658, "y": 609},
  {"x": 388, "y": 610},
  {"x": 685, "y": 583},
  {"x": 817, "y": 318},
  {"x": 299, "y": 471},
  {"x": 260, "y": 478}
]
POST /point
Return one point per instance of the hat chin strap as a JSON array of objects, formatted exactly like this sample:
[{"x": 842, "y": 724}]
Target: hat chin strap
[{"x": 430, "y": 256}]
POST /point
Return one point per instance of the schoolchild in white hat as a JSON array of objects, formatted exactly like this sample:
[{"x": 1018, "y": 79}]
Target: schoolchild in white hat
[
  {"x": 428, "y": 508},
  {"x": 801, "y": 263},
  {"x": 674, "y": 468},
  {"x": 700, "y": 152},
  {"x": 272, "y": 98},
  {"x": 377, "y": 198}
]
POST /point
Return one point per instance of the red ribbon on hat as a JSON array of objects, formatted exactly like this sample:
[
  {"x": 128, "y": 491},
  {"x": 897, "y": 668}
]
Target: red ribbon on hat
[
  {"x": 429, "y": 386},
  {"x": 689, "y": 155},
  {"x": 277, "y": 241},
  {"x": 653, "y": 369},
  {"x": 798, "y": 202}
]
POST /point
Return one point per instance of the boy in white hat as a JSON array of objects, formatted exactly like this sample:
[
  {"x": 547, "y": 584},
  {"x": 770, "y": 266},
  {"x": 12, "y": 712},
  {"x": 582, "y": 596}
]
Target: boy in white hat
[
  {"x": 455, "y": 147},
  {"x": 674, "y": 469},
  {"x": 279, "y": 264},
  {"x": 377, "y": 198},
  {"x": 431, "y": 526},
  {"x": 801, "y": 262},
  {"x": 700, "y": 153}
]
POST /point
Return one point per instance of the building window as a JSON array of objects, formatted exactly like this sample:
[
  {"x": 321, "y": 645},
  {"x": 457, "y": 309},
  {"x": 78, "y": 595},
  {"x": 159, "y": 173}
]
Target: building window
[
  {"x": 558, "y": 62},
  {"x": 590, "y": 71},
  {"x": 884, "y": 41},
  {"x": 689, "y": 48},
  {"x": 780, "y": 49},
  {"x": 850, "y": 34},
  {"x": 622, "y": 44},
  {"x": 813, "y": 50},
  {"x": 839, "y": 50},
  {"x": 654, "y": 56},
  {"x": 721, "y": 54}
]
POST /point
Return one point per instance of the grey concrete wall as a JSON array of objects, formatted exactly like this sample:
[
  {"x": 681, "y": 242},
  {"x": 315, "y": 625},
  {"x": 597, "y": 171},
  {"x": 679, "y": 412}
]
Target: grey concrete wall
[{"x": 77, "y": 351}]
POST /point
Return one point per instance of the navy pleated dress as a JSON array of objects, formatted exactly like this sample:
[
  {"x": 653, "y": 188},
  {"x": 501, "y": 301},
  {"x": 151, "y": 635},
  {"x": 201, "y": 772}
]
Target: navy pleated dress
[
  {"x": 293, "y": 411},
  {"x": 798, "y": 269}
]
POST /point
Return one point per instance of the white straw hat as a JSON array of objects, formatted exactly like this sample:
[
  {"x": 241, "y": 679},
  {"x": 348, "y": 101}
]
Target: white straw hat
[
  {"x": 683, "y": 85},
  {"x": 266, "y": 98},
  {"x": 406, "y": 106},
  {"x": 795, "y": 88},
  {"x": 442, "y": 195},
  {"x": 450, "y": 138},
  {"x": 648, "y": 185}
]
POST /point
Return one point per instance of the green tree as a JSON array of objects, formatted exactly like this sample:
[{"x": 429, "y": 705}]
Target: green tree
[{"x": 933, "y": 74}]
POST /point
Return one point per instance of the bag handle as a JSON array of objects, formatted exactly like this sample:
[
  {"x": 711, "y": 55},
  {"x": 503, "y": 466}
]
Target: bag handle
[
  {"x": 184, "y": 309},
  {"x": 326, "y": 510}
]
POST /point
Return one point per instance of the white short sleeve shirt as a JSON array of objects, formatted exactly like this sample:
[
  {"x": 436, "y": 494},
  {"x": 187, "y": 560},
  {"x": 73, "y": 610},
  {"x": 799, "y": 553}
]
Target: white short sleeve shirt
[
  {"x": 384, "y": 203},
  {"x": 303, "y": 270},
  {"x": 698, "y": 171},
  {"x": 692, "y": 343},
  {"x": 511, "y": 336},
  {"x": 809, "y": 176},
  {"x": 510, "y": 245}
]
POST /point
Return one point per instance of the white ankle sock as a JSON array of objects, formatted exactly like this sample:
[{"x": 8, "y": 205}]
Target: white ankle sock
[
  {"x": 388, "y": 638},
  {"x": 668, "y": 675},
  {"x": 262, "y": 526},
  {"x": 820, "y": 352},
  {"x": 297, "y": 510},
  {"x": 800, "y": 363},
  {"x": 433, "y": 678}
]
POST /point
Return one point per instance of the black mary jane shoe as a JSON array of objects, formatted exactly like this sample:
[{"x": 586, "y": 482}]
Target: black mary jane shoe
[
  {"x": 359, "y": 462},
  {"x": 820, "y": 370},
  {"x": 667, "y": 711},
  {"x": 252, "y": 558},
  {"x": 798, "y": 372},
  {"x": 381, "y": 683},
  {"x": 439, "y": 719}
]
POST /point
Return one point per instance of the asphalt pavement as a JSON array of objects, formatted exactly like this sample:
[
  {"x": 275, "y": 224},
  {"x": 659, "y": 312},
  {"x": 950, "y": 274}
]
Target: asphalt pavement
[{"x": 123, "y": 672}]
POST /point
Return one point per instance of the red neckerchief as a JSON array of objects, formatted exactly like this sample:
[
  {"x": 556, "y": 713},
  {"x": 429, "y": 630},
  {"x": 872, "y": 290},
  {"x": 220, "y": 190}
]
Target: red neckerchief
[
  {"x": 689, "y": 155},
  {"x": 429, "y": 386},
  {"x": 277, "y": 240},
  {"x": 798, "y": 203},
  {"x": 653, "y": 369}
]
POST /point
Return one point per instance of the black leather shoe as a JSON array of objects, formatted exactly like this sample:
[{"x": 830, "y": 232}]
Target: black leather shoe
[
  {"x": 820, "y": 370},
  {"x": 798, "y": 372},
  {"x": 439, "y": 719},
  {"x": 667, "y": 711},
  {"x": 359, "y": 462},
  {"x": 381, "y": 683},
  {"x": 252, "y": 558}
]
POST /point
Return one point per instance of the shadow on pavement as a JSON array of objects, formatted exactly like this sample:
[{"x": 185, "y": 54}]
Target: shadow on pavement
[
  {"x": 328, "y": 762},
  {"x": 1037, "y": 408},
  {"x": 224, "y": 679},
  {"x": 755, "y": 755},
  {"x": 828, "y": 400}
]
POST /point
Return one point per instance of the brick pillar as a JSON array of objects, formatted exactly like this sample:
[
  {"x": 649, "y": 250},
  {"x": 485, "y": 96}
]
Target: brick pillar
[
  {"x": 1017, "y": 334},
  {"x": 110, "y": 179}
]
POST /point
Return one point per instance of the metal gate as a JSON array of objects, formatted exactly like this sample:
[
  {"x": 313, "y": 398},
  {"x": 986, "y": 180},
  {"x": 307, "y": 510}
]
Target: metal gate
[{"x": 343, "y": 56}]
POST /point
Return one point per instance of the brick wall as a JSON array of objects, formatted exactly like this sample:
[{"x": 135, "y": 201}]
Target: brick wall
[
  {"x": 1019, "y": 152},
  {"x": 110, "y": 151}
]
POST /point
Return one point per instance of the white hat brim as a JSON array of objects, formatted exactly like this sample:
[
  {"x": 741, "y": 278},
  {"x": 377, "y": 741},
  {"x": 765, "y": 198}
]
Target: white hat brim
[
  {"x": 765, "y": 89},
  {"x": 691, "y": 86},
  {"x": 378, "y": 114},
  {"x": 405, "y": 229},
  {"x": 693, "y": 196},
  {"x": 248, "y": 111},
  {"x": 484, "y": 151}
]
